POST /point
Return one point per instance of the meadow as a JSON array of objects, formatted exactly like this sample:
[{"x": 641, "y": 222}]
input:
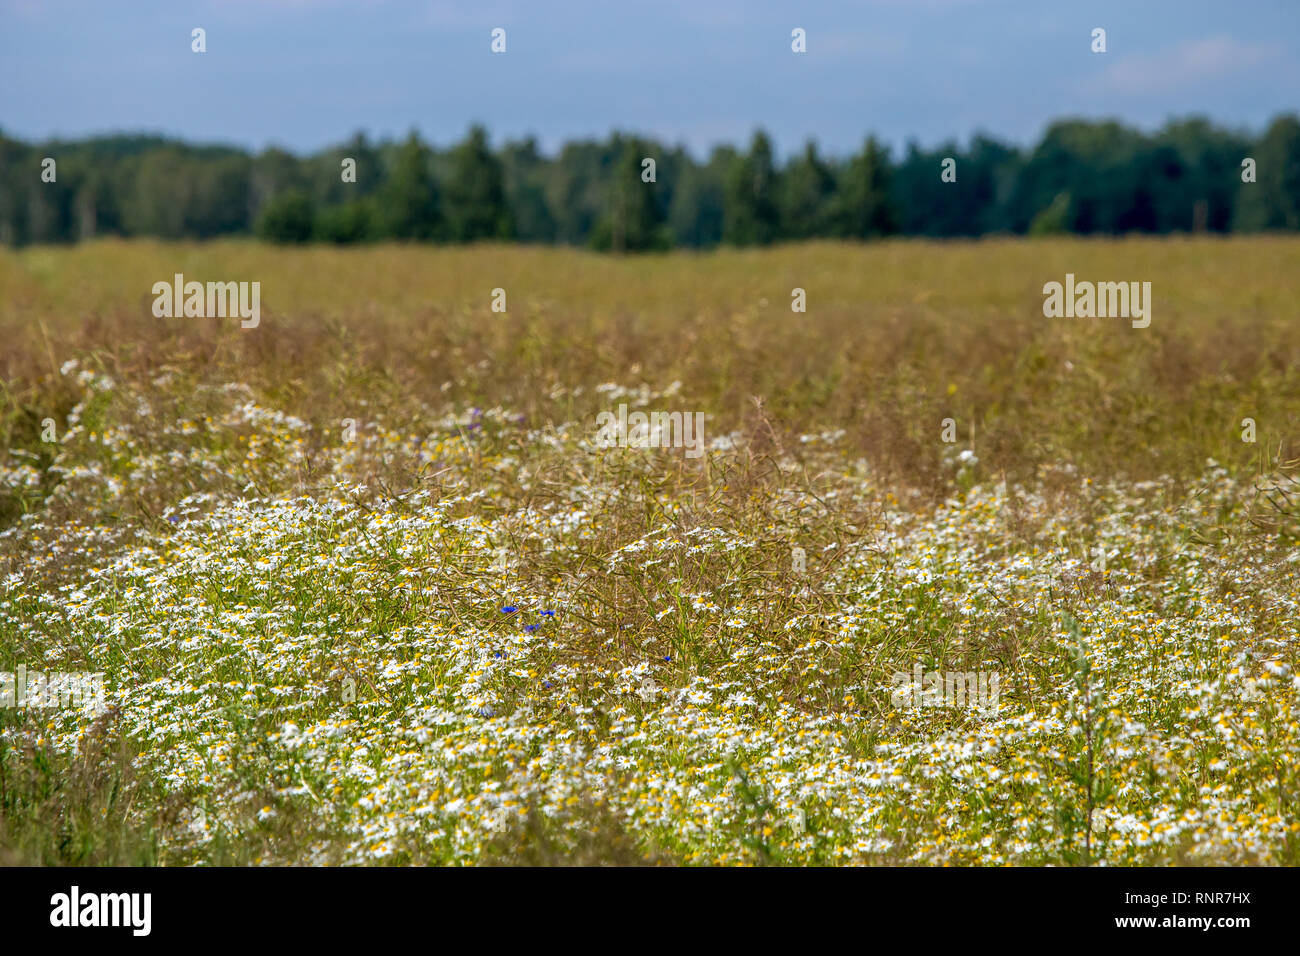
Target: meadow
[{"x": 365, "y": 589}]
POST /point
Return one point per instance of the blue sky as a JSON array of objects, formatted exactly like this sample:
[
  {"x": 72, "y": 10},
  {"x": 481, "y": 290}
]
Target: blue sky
[{"x": 303, "y": 74}]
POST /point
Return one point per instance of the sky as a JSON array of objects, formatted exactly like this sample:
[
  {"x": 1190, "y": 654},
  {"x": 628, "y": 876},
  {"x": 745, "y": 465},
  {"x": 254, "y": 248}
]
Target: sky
[{"x": 305, "y": 74}]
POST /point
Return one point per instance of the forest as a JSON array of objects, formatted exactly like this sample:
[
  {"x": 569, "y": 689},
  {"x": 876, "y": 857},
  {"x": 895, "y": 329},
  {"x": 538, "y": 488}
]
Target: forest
[{"x": 629, "y": 193}]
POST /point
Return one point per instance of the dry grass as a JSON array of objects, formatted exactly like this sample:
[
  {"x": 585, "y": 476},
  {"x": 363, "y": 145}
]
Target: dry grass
[{"x": 898, "y": 336}]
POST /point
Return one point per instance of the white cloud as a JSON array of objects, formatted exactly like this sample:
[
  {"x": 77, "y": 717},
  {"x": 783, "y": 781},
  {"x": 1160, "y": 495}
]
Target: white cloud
[{"x": 1189, "y": 64}]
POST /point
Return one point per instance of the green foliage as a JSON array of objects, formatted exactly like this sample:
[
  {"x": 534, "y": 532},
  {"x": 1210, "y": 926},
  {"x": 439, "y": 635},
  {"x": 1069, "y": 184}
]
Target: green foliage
[
  {"x": 287, "y": 218},
  {"x": 351, "y": 222},
  {"x": 695, "y": 214},
  {"x": 525, "y": 172},
  {"x": 632, "y": 221},
  {"x": 973, "y": 205},
  {"x": 408, "y": 202},
  {"x": 865, "y": 208},
  {"x": 1273, "y": 201},
  {"x": 749, "y": 211},
  {"x": 1111, "y": 180},
  {"x": 1054, "y": 219},
  {"x": 806, "y": 191},
  {"x": 476, "y": 198}
]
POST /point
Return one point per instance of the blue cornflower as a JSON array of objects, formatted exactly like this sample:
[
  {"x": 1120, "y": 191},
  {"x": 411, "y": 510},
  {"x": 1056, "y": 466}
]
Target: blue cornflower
[
  {"x": 548, "y": 614},
  {"x": 509, "y": 609},
  {"x": 531, "y": 627}
]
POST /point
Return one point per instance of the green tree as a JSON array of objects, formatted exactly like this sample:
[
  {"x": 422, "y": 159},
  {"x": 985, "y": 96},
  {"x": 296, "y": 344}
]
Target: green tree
[
  {"x": 1097, "y": 165},
  {"x": 1053, "y": 219},
  {"x": 408, "y": 206},
  {"x": 1211, "y": 160},
  {"x": 475, "y": 193},
  {"x": 750, "y": 209},
  {"x": 973, "y": 204},
  {"x": 1081, "y": 177},
  {"x": 352, "y": 221},
  {"x": 273, "y": 172},
  {"x": 16, "y": 163},
  {"x": 865, "y": 208},
  {"x": 218, "y": 199},
  {"x": 158, "y": 187},
  {"x": 1273, "y": 200},
  {"x": 573, "y": 189},
  {"x": 525, "y": 172},
  {"x": 806, "y": 188},
  {"x": 699, "y": 201},
  {"x": 287, "y": 218},
  {"x": 632, "y": 220},
  {"x": 325, "y": 170}
]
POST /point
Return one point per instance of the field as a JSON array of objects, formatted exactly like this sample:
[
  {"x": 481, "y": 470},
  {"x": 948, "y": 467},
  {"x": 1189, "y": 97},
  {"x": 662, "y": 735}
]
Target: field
[{"x": 365, "y": 589}]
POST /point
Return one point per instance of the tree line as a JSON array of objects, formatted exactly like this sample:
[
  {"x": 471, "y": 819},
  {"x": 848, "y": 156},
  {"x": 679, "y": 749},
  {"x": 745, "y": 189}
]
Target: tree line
[{"x": 630, "y": 193}]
